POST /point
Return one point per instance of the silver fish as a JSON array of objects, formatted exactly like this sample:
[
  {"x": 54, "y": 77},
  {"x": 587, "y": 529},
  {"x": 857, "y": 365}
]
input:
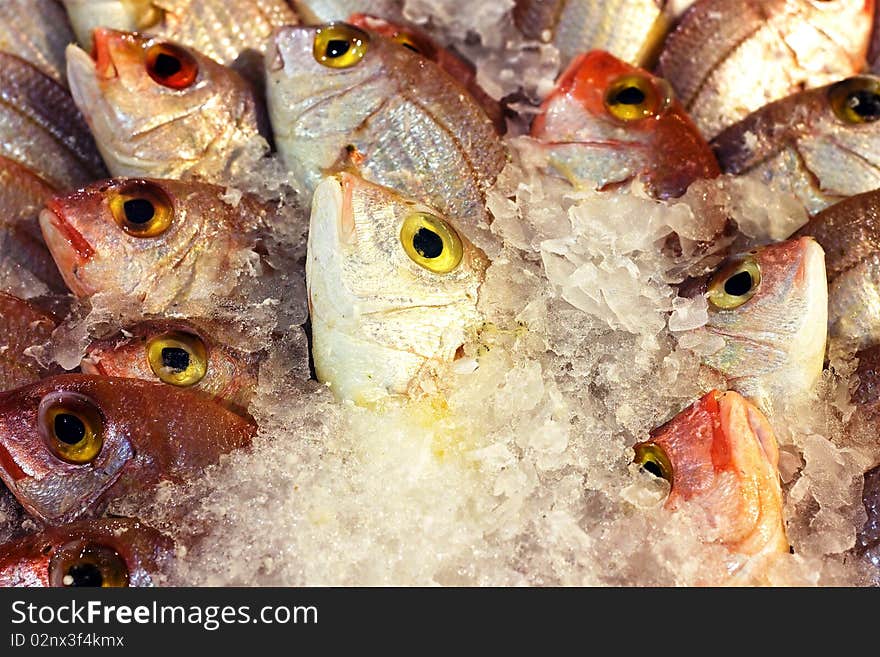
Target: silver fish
[{"x": 36, "y": 31}]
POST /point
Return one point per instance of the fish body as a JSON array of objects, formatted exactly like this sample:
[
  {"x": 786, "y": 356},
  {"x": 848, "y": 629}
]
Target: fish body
[
  {"x": 106, "y": 552},
  {"x": 395, "y": 116},
  {"x": 721, "y": 454},
  {"x": 38, "y": 32},
  {"x": 22, "y": 195},
  {"x": 159, "y": 109},
  {"x": 221, "y": 30},
  {"x": 418, "y": 41},
  {"x": 22, "y": 325},
  {"x": 769, "y": 307},
  {"x": 821, "y": 145},
  {"x": 41, "y": 128},
  {"x": 179, "y": 353},
  {"x": 727, "y": 58},
  {"x": 629, "y": 29},
  {"x": 868, "y": 537},
  {"x": 169, "y": 245},
  {"x": 315, "y": 12},
  {"x": 849, "y": 232},
  {"x": 381, "y": 316},
  {"x": 70, "y": 443},
  {"x": 607, "y": 122}
]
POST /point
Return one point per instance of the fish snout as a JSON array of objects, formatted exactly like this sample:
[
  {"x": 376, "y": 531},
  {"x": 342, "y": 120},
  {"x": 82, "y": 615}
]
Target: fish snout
[
  {"x": 103, "y": 41},
  {"x": 68, "y": 247}
]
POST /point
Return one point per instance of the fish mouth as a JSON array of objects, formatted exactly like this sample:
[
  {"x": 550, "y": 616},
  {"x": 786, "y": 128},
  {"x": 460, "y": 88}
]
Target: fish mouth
[
  {"x": 92, "y": 366},
  {"x": 101, "y": 55},
  {"x": 68, "y": 247}
]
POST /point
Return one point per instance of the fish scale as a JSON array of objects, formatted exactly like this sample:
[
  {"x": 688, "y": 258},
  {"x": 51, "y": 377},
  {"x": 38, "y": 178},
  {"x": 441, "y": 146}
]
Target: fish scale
[
  {"x": 36, "y": 31},
  {"x": 41, "y": 128}
]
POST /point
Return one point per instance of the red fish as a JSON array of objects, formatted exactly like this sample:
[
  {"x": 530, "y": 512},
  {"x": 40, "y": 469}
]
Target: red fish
[
  {"x": 110, "y": 552},
  {"x": 22, "y": 325},
  {"x": 721, "y": 454},
  {"x": 608, "y": 122},
  {"x": 72, "y": 442}
]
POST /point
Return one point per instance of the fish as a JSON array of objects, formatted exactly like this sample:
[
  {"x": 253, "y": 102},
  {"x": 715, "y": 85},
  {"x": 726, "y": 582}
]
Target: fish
[
  {"x": 227, "y": 32},
  {"x": 607, "y": 122},
  {"x": 159, "y": 109},
  {"x": 721, "y": 454},
  {"x": 23, "y": 194},
  {"x": 169, "y": 245},
  {"x": 849, "y": 232},
  {"x": 22, "y": 324},
  {"x": 71, "y": 443},
  {"x": 342, "y": 99},
  {"x": 41, "y": 128},
  {"x": 867, "y": 393},
  {"x": 868, "y": 536},
  {"x": 393, "y": 289},
  {"x": 317, "y": 12},
  {"x": 727, "y": 58},
  {"x": 178, "y": 353},
  {"x": 38, "y": 32},
  {"x": 107, "y": 552},
  {"x": 409, "y": 36},
  {"x": 769, "y": 308},
  {"x": 820, "y": 145},
  {"x": 631, "y": 30}
]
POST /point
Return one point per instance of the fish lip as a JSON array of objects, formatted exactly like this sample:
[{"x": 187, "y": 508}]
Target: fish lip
[
  {"x": 91, "y": 366},
  {"x": 67, "y": 246},
  {"x": 104, "y": 67}
]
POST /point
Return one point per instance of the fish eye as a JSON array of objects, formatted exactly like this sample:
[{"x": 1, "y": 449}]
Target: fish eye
[
  {"x": 72, "y": 426},
  {"x": 431, "y": 243},
  {"x": 339, "y": 45},
  {"x": 634, "y": 97},
  {"x": 735, "y": 283},
  {"x": 178, "y": 358},
  {"x": 141, "y": 208},
  {"x": 171, "y": 66},
  {"x": 856, "y": 100},
  {"x": 81, "y": 563},
  {"x": 652, "y": 458}
]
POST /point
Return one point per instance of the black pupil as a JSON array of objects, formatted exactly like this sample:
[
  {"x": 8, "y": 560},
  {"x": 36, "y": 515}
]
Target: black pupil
[
  {"x": 166, "y": 65},
  {"x": 85, "y": 574},
  {"x": 630, "y": 96},
  {"x": 69, "y": 428},
  {"x": 139, "y": 210},
  {"x": 653, "y": 468},
  {"x": 175, "y": 358},
  {"x": 427, "y": 243},
  {"x": 866, "y": 104},
  {"x": 738, "y": 284},
  {"x": 337, "y": 48}
]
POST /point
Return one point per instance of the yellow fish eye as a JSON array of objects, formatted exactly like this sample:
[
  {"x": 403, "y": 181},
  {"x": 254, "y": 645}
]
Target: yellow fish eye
[
  {"x": 431, "y": 243},
  {"x": 72, "y": 427},
  {"x": 340, "y": 45},
  {"x": 734, "y": 284},
  {"x": 856, "y": 100},
  {"x": 180, "y": 359},
  {"x": 87, "y": 564},
  {"x": 634, "y": 97},
  {"x": 653, "y": 459},
  {"x": 141, "y": 208}
]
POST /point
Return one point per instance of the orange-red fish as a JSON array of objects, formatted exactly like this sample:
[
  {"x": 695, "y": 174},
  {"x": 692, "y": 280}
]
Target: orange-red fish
[
  {"x": 22, "y": 325},
  {"x": 180, "y": 353},
  {"x": 110, "y": 552},
  {"x": 70, "y": 443},
  {"x": 608, "y": 122},
  {"x": 721, "y": 454}
]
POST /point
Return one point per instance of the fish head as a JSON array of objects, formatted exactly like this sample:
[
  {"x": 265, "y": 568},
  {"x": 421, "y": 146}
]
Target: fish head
[
  {"x": 110, "y": 552},
  {"x": 178, "y": 353},
  {"x": 138, "y": 236},
  {"x": 156, "y": 107},
  {"x": 61, "y": 446},
  {"x": 605, "y": 114},
  {"x": 721, "y": 453},
  {"x": 134, "y": 15},
  {"x": 770, "y": 308},
  {"x": 392, "y": 286}
]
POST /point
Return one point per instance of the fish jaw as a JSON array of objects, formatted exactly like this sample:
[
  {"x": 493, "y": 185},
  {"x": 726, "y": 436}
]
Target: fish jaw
[{"x": 70, "y": 250}]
